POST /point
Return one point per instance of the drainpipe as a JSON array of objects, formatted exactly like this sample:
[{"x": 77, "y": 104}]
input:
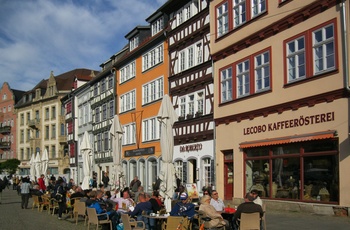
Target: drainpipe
[{"x": 344, "y": 38}]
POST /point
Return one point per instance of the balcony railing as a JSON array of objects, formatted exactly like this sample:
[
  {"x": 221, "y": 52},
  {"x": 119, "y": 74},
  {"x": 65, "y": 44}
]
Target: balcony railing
[
  {"x": 5, "y": 145},
  {"x": 62, "y": 139},
  {"x": 34, "y": 123},
  {"x": 5, "y": 129}
]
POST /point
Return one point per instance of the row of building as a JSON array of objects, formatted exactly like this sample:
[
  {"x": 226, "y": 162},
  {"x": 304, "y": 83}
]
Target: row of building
[{"x": 261, "y": 89}]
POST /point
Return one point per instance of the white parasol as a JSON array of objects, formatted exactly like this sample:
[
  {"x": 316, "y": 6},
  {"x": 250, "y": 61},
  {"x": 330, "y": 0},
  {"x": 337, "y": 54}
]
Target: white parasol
[
  {"x": 116, "y": 132},
  {"x": 32, "y": 168},
  {"x": 86, "y": 151},
  {"x": 167, "y": 117},
  {"x": 45, "y": 164},
  {"x": 37, "y": 165}
]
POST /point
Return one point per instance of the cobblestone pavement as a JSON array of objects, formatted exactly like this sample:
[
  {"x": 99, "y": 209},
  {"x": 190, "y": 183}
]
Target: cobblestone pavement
[{"x": 13, "y": 217}]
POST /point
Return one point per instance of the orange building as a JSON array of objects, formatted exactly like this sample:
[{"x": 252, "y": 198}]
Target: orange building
[
  {"x": 8, "y": 98},
  {"x": 142, "y": 80}
]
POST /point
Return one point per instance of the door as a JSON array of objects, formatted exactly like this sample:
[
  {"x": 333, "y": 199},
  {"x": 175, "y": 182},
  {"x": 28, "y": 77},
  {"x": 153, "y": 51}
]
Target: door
[{"x": 228, "y": 176}]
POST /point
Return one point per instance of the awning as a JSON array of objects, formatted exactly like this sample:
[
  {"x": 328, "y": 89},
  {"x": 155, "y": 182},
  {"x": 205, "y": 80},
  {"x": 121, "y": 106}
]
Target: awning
[{"x": 289, "y": 139}]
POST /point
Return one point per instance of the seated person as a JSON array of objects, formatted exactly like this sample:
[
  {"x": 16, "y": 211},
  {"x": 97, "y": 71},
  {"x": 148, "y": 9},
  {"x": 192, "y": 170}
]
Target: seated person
[
  {"x": 216, "y": 220},
  {"x": 216, "y": 202},
  {"x": 143, "y": 207},
  {"x": 125, "y": 201},
  {"x": 247, "y": 207},
  {"x": 183, "y": 208},
  {"x": 113, "y": 215},
  {"x": 256, "y": 196},
  {"x": 78, "y": 193},
  {"x": 37, "y": 192},
  {"x": 155, "y": 201}
]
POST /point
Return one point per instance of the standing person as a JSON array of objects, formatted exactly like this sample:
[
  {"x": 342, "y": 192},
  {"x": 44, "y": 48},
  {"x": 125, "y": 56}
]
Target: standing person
[
  {"x": 135, "y": 184},
  {"x": 105, "y": 179},
  {"x": 60, "y": 189},
  {"x": 25, "y": 192},
  {"x": 2, "y": 186},
  {"x": 41, "y": 183},
  {"x": 140, "y": 190},
  {"x": 216, "y": 202}
]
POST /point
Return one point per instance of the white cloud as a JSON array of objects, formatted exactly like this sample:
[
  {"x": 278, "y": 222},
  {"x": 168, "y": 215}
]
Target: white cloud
[{"x": 39, "y": 36}]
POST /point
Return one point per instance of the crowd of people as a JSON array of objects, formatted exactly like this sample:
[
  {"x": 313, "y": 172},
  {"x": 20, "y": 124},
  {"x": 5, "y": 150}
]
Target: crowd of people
[{"x": 133, "y": 200}]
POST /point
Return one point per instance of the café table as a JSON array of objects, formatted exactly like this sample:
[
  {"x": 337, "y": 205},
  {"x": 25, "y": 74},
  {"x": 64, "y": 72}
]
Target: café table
[
  {"x": 159, "y": 219},
  {"x": 228, "y": 215}
]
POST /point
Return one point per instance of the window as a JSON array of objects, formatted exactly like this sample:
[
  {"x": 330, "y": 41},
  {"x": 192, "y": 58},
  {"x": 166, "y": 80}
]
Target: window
[
  {"x": 99, "y": 142},
  {"x": 111, "y": 108},
  {"x": 53, "y": 111},
  {"x": 9, "y": 108},
  {"x": 28, "y": 134},
  {"x": 62, "y": 130},
  {"x": 129, "y": 136},
  {"x": 106, "y": 141},
  {"x": 86, "y": 109},
  {"x": 95, "y": 90},
  {"x": 47, "y": 129},
  {"x": 262, "y": 71},
  {"x": 53, "y": 131},
  {"x": 104, "y": 112},
  {"x": 53, "y": 151},
  {"x": 22, "y": 119},
  {"x": 4, "y": 96},
  {"x": 239, "y": 12},
  {"x": 37, "y": 134},
  {"x": 134, "y": 43},
  {"x": 222, "y": 19},
  {"x": 226, "y": 84},
  {"x": 22, "y": 136},
  {"x": 191, "y": 105},
  {"x": 258, "y": 6},
  {"x": 179, "y": 169},
  {"x": 28, "y": 118},
  {"x": 127, "y": 72},
  {"x": 128, "y": 101},
  {"x": 150, "y": 129},
  {"x": 110, "y": 81},
  {"x": 190, "y": 56},
  {"x": 103, "y": 85},
  {"x": 322, "y": 50},
  {"x": 152, "y": 58},
  {"x": 97, "y": 114},
  {"x": 157, "y": 26},
  {"x": 207, "y": 172},
  {"x": 296, "y": 59},
  {"x": 47, "y": 113},
  {"x": 152, "y": 91}
]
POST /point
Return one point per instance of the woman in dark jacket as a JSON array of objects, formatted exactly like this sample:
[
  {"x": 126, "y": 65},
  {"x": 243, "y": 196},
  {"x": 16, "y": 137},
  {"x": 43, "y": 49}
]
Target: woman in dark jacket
[{"x": 60, "y": 189}]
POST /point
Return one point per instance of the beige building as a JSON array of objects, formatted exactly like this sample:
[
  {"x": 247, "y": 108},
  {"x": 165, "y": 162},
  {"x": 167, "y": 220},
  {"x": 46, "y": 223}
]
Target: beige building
[
  {"x": 41, "y": 121},
  {"x": 281, "y": 103}
]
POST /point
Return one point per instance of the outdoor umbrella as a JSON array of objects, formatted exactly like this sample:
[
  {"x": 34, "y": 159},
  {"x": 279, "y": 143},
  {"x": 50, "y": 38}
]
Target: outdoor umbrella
[
  {"x": 37, "y": 165},
  {"x": 86, "y": 151},
  {"x": 32, "y": 167},
  {"x": 167, "y": 117},
  {"x": 44, "y": 164},
  {"x": 116, "y": 132}
]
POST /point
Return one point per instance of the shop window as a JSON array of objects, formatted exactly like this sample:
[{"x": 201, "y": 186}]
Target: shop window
[{"x": 306, "y": 171}]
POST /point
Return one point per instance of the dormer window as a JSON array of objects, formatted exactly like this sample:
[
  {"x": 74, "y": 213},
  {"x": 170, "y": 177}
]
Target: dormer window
[
  {"x": 157, "y": 26},
  {"x": 134, "y": 43}
]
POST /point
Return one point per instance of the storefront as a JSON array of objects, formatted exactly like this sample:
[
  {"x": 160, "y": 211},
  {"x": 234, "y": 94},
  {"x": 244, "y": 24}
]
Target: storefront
[{"x": 298, "y": 155}]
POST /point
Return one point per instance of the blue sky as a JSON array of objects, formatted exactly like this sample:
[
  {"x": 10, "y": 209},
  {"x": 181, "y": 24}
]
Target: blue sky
[{"x": 37, "y": 36}]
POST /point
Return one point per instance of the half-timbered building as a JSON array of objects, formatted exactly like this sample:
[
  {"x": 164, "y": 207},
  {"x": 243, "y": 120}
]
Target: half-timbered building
[{"x": 191, "y": 89}]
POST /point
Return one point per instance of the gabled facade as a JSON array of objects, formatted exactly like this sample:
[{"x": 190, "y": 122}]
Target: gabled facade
[
  {"x": 141, "y": 83},
  {"x": 191, "y": 89},
  {"x": 42, "y": 119},
  {"x": 281, "y": 104},
  {"x": 8, "y": 120}
]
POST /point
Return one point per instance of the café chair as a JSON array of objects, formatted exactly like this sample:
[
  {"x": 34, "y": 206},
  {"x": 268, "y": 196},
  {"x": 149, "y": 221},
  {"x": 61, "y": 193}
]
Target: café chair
[
  {"x": 36, "y": 202},
  {"x": 93, "y": 218},
  {"x": 173, "y": 222},
  {"x": 53, "y": 205},
  {"x": 45, "y": 204},
  {"x": 79, "y": 210},
  {"x": 263, "y": 219},
  {"x": 250, "y": 221},
  {"x": 131, "y": 224}
]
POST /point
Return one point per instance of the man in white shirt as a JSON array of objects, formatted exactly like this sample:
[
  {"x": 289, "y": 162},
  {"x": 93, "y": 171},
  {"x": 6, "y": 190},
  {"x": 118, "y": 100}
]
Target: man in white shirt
[
  {"x": 217, "y": 202},
  {"x": 124, "y": 202},
  {"x": 257, "y": 199}
]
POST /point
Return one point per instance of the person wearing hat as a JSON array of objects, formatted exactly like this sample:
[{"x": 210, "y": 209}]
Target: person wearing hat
[
  {"x": 184, "y": 207},
  {"x": 216, "y": 220}
]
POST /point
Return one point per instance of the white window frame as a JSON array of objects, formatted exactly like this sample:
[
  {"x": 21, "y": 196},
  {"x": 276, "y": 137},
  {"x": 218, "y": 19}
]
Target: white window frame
[
  {"x": 127, "y": 72},
  {"x": 239, "y": 12},
  {"x": 128, "y": 101},
  {"x": 262, "y": 71},
  {"x": 134, "y": 43},
  {"x": 243, "y": 78},
  {"x": 222, "y": 19},
  {"x": 321, "y": 47},
  {"x": 150, "y": 129},
  {"x": 296, "y": 62},
  {"x": 157, "y": 26},
  {"x": 129, "y": 136},
  {"x": 226, "y": 84},
  {"x": 153, "y": 57},
  {"x": 258, "y": 7},
  {"x": 153, "y": 91}
]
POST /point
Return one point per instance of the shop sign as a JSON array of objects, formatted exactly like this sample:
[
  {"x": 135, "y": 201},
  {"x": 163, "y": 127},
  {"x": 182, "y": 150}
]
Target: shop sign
[
  {"x": 139, "y": 152},
  {"x": 291, "y": 123},
  {"x": 191, "y": 148}
]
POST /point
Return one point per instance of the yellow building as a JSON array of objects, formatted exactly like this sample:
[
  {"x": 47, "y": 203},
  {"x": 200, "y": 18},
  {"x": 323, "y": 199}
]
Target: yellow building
[{"x": 282, "y": 101}]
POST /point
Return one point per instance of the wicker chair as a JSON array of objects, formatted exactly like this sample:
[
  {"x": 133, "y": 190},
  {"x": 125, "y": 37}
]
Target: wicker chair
[
  {"x": 79, "y": 210},
  {"x": 93, "y": 218},
  {"x": 131, "y": 224},
  {"x": 250, "y": 221}
]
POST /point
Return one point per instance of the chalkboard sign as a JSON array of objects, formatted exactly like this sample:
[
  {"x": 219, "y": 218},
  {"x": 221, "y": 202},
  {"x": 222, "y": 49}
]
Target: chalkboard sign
[{"x": 139, "y": 152}]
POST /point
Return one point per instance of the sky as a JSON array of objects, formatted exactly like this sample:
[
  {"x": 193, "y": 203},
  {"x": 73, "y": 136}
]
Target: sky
[{"x": 40, "y": 36}]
